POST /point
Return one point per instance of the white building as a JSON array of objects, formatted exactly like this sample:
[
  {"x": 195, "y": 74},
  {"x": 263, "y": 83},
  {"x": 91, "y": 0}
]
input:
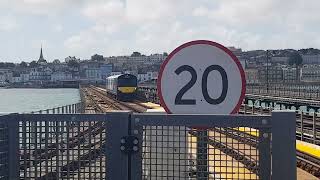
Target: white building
[
  {"x": 280, "y": 59},
  {"x": 311, "y": 59},
  {"x": 142, "y": 77},
  {"x": 93, "y": 74},
  {"x": 310, "y": 73},
  {"x": 289, "y": 74},
  {"x": 25, "y": 77},
  {"x": 147, "y": 76},
  {"x": 2, "y": 77},
  {"x": 157, "y": 57},
  {"x": 131, "y": 72},
  {"x": 61, "y": 76},
  {"x": 252, "y": 75},
  {"x": 7, "y": 74},
  {"x": 115, "y": 73},
  {"x": 16, "y": 79},
  {"x": 40, "y": 74}
]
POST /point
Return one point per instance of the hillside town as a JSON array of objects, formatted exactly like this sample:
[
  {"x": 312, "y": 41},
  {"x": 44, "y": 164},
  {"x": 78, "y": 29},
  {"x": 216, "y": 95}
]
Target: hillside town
[{"x": 271, "y": 66}]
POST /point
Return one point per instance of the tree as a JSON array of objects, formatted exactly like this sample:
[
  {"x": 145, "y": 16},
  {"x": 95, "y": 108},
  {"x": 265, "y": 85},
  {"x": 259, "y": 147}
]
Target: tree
[
  {"x": 23, "y": 64},
  {"x": 165, "y": 54},
  {"x": 97, "y": 57},
  {"x": 71, "y": 58},
  {"x": 295, "y": 59},
  {"x": 73, "y": 63},
  {"x": 135, "y": 54},
  {"x": 56, "y": 61},
  {"x": 33, "y": 64},
  {"x": 6, "y": 65}
]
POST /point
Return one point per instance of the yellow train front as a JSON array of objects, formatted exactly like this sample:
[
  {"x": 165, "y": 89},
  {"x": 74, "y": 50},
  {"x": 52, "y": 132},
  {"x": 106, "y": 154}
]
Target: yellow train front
[{"x": 123, "y": 86}]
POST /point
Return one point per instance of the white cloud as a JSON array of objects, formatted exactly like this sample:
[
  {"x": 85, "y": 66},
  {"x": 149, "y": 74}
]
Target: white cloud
[
  {"x": 200, "y": 11},
  {"x": 39, "y": 7},
  {"x": 8, "y": 23},
  {"x": 114, "y": 27},
  {"x": 161, "y": 25},
  {"x": 58, "y": 28}
]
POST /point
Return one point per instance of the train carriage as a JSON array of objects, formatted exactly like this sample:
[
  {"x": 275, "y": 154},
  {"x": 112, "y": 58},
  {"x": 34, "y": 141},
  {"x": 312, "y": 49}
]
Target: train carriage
[{"x": 123, "y": 86}]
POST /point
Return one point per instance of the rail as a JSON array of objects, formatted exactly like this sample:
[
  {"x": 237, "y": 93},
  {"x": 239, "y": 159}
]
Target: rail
[{"x": 308, "y": 125}]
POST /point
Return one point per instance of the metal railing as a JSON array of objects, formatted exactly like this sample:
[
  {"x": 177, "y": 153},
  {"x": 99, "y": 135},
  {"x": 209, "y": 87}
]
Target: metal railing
[
  {"x": 122, "y": 145},
  {"x": 67, "y": 109},
  {"x": 306, "y": 123},
  {"x": 296, "y": 91}
]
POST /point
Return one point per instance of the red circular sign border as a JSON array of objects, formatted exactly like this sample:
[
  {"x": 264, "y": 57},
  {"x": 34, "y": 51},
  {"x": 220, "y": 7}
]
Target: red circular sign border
[{"x": 191, "y": 43}]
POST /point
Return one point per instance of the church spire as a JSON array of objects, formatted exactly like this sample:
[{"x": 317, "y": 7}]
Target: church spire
[
  {"x": 41, "y": 55},
  {"x": 41, "y": 59}
]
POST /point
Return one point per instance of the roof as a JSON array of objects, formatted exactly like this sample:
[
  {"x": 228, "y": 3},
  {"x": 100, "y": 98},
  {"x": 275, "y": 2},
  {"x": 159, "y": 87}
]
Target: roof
[{"x": 116, "y": 76}]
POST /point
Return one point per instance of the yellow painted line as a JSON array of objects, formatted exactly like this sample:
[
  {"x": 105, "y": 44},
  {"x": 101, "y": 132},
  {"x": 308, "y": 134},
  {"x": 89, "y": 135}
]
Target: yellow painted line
[
  {"x": 127, "y": 89},
  {"x": 152, "y": 105},
  {"x": 221, "y": 165},
  {"x": 248, "y": 130},
  {"x": 308, "y": 148}
]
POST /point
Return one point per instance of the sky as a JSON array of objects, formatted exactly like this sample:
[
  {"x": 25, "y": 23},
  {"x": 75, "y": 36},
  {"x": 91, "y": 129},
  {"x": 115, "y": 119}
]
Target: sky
[{"x": 82, "y": 28}]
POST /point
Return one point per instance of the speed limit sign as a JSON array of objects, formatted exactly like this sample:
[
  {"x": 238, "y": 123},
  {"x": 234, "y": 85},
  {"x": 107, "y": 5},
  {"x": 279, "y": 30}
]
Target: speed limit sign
[{"x": 201, "y": 77}]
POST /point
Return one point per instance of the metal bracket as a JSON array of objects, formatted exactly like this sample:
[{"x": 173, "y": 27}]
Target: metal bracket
[{"x": 129, "y": 144}]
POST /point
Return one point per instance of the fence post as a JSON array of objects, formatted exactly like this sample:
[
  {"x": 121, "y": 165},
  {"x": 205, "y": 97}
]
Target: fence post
[
  {"x": 202, "y": 154},
  {"x": 301, "y": 125},
  {"x": 284, "y": 145},
  {"x": 264, "y": 153},
  {"x": 314, "y": 127},
  {"x": 13, "y": 137},
  {"x": 118, "y": 164}
]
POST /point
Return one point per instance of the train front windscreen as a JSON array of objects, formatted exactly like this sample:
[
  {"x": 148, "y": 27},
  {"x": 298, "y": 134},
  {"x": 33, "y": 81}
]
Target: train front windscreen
[{"x": 130, "y": 82}]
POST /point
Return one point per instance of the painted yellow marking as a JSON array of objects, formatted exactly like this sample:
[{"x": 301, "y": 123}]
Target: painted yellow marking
[
  {"x": 311, "y": 149},
  {"x": 152, "y": 105},
  {"x": 127, "y": 89},
  {"x": 308, "y": 148},
  {"x": 221, "y": 165}
]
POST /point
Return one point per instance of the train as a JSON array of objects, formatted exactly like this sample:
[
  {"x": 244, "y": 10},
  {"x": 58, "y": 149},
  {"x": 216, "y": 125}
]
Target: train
[{"x": 122, "y": 87}]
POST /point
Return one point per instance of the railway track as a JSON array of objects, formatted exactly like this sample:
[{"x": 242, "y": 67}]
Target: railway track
[
  {"x": 134, "y": 106},
  {"x": 305, "y": 161},
  {"x": 308, "y": 124},
  {"x": 242, "y": 157},
  {"x": 77, "y": 139}
]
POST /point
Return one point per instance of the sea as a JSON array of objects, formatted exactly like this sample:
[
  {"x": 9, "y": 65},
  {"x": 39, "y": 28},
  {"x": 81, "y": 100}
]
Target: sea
[{"x": 28, "y": 100}]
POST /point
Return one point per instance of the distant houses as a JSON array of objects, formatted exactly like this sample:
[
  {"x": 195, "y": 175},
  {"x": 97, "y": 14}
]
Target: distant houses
[
  {"x": 94, "y": 71},
  {"x": 260, "y": 67}
]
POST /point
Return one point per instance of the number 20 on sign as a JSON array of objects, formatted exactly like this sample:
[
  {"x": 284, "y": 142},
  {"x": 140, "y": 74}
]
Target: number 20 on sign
[{"x": 201, "y": 77}]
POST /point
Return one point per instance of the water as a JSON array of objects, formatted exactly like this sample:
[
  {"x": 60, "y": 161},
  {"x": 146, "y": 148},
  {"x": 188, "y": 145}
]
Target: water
[{"x": 27, "y": 100}]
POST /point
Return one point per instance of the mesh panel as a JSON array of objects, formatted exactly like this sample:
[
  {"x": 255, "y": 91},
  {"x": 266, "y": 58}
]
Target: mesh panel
[
  {"x": 62, "y": 150},
  {"x": 4, "y": 150},
  {"x": 178, "y": 152}
]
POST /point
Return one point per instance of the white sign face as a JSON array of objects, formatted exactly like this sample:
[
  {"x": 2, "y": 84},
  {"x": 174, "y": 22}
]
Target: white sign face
[{"x": 201, "y": 77}]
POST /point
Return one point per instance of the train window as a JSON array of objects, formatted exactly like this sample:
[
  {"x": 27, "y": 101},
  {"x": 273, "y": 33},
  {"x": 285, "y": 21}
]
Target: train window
[{"x": 127, "y": 82}]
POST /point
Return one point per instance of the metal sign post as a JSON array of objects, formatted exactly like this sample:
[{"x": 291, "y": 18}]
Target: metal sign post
[{"x": 201, "y": 77}]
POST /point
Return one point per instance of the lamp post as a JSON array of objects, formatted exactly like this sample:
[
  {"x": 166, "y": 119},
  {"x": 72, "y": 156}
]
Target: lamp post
[{"x": 267, "y": 71}]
